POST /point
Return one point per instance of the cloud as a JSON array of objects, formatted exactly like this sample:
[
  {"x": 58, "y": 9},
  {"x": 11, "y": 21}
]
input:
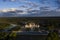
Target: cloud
[
  {"x": 9, "y": 0},
  {"x": 34, "y": 4},
  {"x": 26, "y": 4},
  {"x": 13, "y": 10},
  {"x": 9, "y": 9},
  {"x": 47, "y": 8},
  {"x": 13, "y": 0},
  {"x": 34, "y": 8},
  {"x": 32, "y": 12}
]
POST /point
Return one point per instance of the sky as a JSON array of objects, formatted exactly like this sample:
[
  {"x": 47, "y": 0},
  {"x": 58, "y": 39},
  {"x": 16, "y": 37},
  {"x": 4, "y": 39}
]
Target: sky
[
  {"x": 18, "y": 3},
  {"x": 4, "y": 4},
  {"x": 30, "y": 7}
]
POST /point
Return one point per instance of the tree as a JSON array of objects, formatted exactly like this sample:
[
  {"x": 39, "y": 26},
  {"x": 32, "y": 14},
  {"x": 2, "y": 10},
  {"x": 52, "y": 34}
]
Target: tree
[
  {"x": 12, "y": 36},
  {"x": 36, "y": 29},
  {"x": 28, "y": 29},
  {"x": 53, "y": 36},
  {"x": 3, "y": 35}
]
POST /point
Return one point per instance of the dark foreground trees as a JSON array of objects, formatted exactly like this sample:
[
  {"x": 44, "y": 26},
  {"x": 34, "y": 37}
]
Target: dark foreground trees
[
  {"x": 53, "y": 36},
  {"x": 7, "y": 36}
]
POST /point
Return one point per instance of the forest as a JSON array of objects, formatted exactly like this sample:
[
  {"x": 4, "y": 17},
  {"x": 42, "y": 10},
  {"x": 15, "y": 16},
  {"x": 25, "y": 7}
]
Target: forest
[{"x": 52, "y": 25}]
